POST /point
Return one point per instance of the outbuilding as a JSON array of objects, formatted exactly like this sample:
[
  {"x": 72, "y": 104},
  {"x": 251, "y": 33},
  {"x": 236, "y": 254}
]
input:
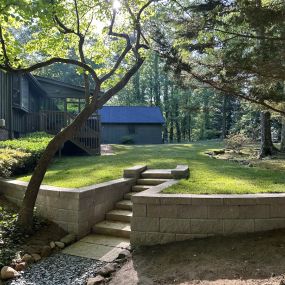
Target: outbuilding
[{"x": 131, "y": 124}]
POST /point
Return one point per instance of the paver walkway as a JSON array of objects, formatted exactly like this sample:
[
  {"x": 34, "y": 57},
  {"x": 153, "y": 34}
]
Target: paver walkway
[{"x": 100, "y": 247}]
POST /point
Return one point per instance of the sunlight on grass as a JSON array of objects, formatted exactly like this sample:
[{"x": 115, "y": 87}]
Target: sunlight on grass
[{"x": 207, "y": 176}]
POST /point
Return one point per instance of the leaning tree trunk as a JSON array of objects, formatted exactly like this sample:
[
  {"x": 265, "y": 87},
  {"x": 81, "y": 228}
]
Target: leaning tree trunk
[
  {"x": 282, "y": 145},
  {"x": 267, "y": 148},
  {"x": 25, "y": 218}
]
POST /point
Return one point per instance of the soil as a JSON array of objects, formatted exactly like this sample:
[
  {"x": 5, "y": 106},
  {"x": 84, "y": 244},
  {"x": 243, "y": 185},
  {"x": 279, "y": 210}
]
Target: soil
[
  {"x": 237, "y": 260},
  {"x": 46, "y": 232}
]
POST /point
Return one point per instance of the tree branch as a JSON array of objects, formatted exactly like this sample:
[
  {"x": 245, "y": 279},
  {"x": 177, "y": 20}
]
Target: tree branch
[{"x": 3, "y": 46}]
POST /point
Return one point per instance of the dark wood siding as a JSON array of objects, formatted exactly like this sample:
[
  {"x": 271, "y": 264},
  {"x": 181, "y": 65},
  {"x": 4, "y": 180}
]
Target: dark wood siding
[
  {"x": 141, "y": 133},
  {"x": 6, "y": 98}
]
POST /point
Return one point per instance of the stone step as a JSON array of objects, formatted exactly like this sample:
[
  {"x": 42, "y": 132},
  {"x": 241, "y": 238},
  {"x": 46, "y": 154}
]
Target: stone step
[
  {"x": 124, "y": 205},
  {"x": 119, "y": 215},
  {"x": 113, "y": 228},
  {"x": 139, "y": 188},
  {"x": 150, "y": 181},
  {"x": 128, "y": 196},
  {"x": 157, "y": 173}
]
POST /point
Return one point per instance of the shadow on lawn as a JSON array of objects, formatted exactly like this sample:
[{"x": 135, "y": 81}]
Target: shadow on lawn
[{"x": 242, "y": 259}]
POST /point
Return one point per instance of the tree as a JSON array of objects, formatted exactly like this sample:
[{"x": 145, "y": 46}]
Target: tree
[
  {"x": 55, "y": 28},
  {"x": 204, "y": 42}
]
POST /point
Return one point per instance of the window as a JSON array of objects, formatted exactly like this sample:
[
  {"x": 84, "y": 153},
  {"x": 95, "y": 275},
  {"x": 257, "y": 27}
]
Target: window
[
  {"x": 132, "y": 130},
  {"x": 21, "y": 93}
]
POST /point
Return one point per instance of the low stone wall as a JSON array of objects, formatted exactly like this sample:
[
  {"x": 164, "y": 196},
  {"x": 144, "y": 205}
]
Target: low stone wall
[
  {"x": 75, "y": 210},
  {"x": 161, "y": 218}
]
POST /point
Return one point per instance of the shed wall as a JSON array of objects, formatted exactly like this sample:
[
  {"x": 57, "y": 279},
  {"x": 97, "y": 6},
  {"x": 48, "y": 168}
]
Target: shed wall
[{"x": 144, "y": 133}]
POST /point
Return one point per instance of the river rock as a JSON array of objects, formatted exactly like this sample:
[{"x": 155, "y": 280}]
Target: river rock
[
  {"x": 52, "y": 245},
  {"x": 68, "y": 239},
  {"x": 8, "y": 273},
  {"x": 107, "y": 269},
  {"x": 46, "y": 251},
  {"x": 27, "y": 258},
  {"x": 98, "y": 280},
  {"x": 36, "y": 257},
  {"x": 20, "y": 266},
  {"x": 59, "y": 244}
]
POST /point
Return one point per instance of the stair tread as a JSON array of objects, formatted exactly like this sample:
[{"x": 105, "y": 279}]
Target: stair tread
[
  {"x": 159, "y": 171},
  {"x": 117, "y": 225},
  {"x": 121, "y": 212},
  {"x": 151, "y": 181},
  {"x": 125, "y": 202}
]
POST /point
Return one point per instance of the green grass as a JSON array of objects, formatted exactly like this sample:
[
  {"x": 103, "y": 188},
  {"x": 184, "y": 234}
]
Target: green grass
[{"x": 208, "y": 175}]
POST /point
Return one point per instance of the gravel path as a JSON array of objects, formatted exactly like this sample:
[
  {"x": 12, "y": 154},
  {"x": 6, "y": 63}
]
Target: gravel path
[{"x": 59, "y": 269}]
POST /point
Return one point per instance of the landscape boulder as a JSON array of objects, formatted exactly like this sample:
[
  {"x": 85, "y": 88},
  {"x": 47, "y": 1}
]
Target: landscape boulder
[{"x": 8, "y": 273}]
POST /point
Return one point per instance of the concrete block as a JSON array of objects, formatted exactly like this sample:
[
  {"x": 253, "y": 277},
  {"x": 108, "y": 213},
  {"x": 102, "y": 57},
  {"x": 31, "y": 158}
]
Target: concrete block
[
  {"x": 254, "y": 211},
  {"x": 134, "y": 172},
  {"x": 145, "y": 224},
  {"x": 238, "y": 226},
  {"x": 181, "y": 237},
  {"x": 158, "y": 238},
  {"x": 163, "y": 211},
  {"x": 139, "y": 210},
  {"x": 174, "y": 225},
  {"x": 206, "y": 226},
  {"x": 137, "y": 238},
  {"x": 241, "y": 200},
  {"x": 175, "y": 199},
  {"x": 277, "y": 211},
  {"x": 269, "y": 224},
  {"x": 207, "y": 200},
  {"x": 67, "y": 216},
  {"x": 149, "y": 199},
  {"x": 180, "y": 172},
  {"x": 223, "y": 212},
  {"x": 191, "y": 211}
]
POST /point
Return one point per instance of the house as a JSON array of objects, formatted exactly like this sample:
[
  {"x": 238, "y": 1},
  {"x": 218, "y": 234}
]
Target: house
[
  {"x": 30, "y": 103},
  {"x": 134, "y": 124}
]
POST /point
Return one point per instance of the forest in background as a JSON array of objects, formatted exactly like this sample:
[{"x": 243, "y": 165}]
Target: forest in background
[{"x": 191, "y": 113}]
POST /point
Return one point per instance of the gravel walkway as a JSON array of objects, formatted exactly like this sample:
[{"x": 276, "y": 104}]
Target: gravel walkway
[{"x": 59, "y": 269}]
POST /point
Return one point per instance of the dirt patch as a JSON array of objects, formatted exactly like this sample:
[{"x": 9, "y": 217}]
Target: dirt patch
[
  {"x": 238, "y": 260},
  {"x": 13, "y": 240}
]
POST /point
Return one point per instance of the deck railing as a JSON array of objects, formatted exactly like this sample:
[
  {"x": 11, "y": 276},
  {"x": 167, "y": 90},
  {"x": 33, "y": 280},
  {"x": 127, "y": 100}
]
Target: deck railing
[{"x": 53, "y": 121}]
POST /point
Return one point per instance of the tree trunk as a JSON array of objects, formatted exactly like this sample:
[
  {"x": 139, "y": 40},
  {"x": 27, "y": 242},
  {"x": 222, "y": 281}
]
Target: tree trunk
[
  {"x": 282, "y": 145},
  {"x": 224, "y": 118},
  {"x": 267, "y": 148},
  {"x": 25, "y": 218}
]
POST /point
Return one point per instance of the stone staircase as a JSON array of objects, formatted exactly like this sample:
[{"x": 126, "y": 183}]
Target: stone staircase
[{"x": 118, "y": 220}]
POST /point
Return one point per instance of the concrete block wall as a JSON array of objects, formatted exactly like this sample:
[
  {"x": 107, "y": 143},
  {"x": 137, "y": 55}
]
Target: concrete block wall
[
  {"x": 75, "y": 210},
  {"x": 162, "y": 218}
]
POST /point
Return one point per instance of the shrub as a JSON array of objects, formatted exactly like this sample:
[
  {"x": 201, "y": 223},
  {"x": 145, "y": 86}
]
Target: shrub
[
  {"x": 236, "y": 142},
  {"x": 21, "y": 155},
  {"x": 128, "y": 140}
]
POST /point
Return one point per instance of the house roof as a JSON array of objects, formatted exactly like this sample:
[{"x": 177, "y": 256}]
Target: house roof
[{"x": 131, "y": 115}]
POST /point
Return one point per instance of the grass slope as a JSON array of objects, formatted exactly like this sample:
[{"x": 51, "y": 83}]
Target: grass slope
[{"x": 208, "y": 175}]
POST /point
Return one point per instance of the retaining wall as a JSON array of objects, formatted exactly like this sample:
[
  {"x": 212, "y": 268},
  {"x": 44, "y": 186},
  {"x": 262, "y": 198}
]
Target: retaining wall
[
  {"x": 161, "y": 218},
  {"x": 75, "y": 210}
]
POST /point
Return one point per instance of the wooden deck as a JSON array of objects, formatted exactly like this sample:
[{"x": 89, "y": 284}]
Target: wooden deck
[{"x": 51, "y": 122}]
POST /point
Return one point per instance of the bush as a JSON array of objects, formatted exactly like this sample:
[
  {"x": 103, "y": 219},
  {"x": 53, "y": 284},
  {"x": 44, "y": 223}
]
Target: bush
[
  {"x": 128, "y": 140},
  {"x": 236, "y": 142},
  {"x": 21, "y": 155}
]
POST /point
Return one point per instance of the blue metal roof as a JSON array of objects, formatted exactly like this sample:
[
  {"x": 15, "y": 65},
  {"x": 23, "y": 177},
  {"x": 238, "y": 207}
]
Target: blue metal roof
[{"x": 131, "y": 115}]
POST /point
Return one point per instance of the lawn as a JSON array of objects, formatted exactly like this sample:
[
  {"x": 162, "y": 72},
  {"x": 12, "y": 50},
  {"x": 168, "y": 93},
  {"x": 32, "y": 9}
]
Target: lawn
[{"x": 208, "y": 175}]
